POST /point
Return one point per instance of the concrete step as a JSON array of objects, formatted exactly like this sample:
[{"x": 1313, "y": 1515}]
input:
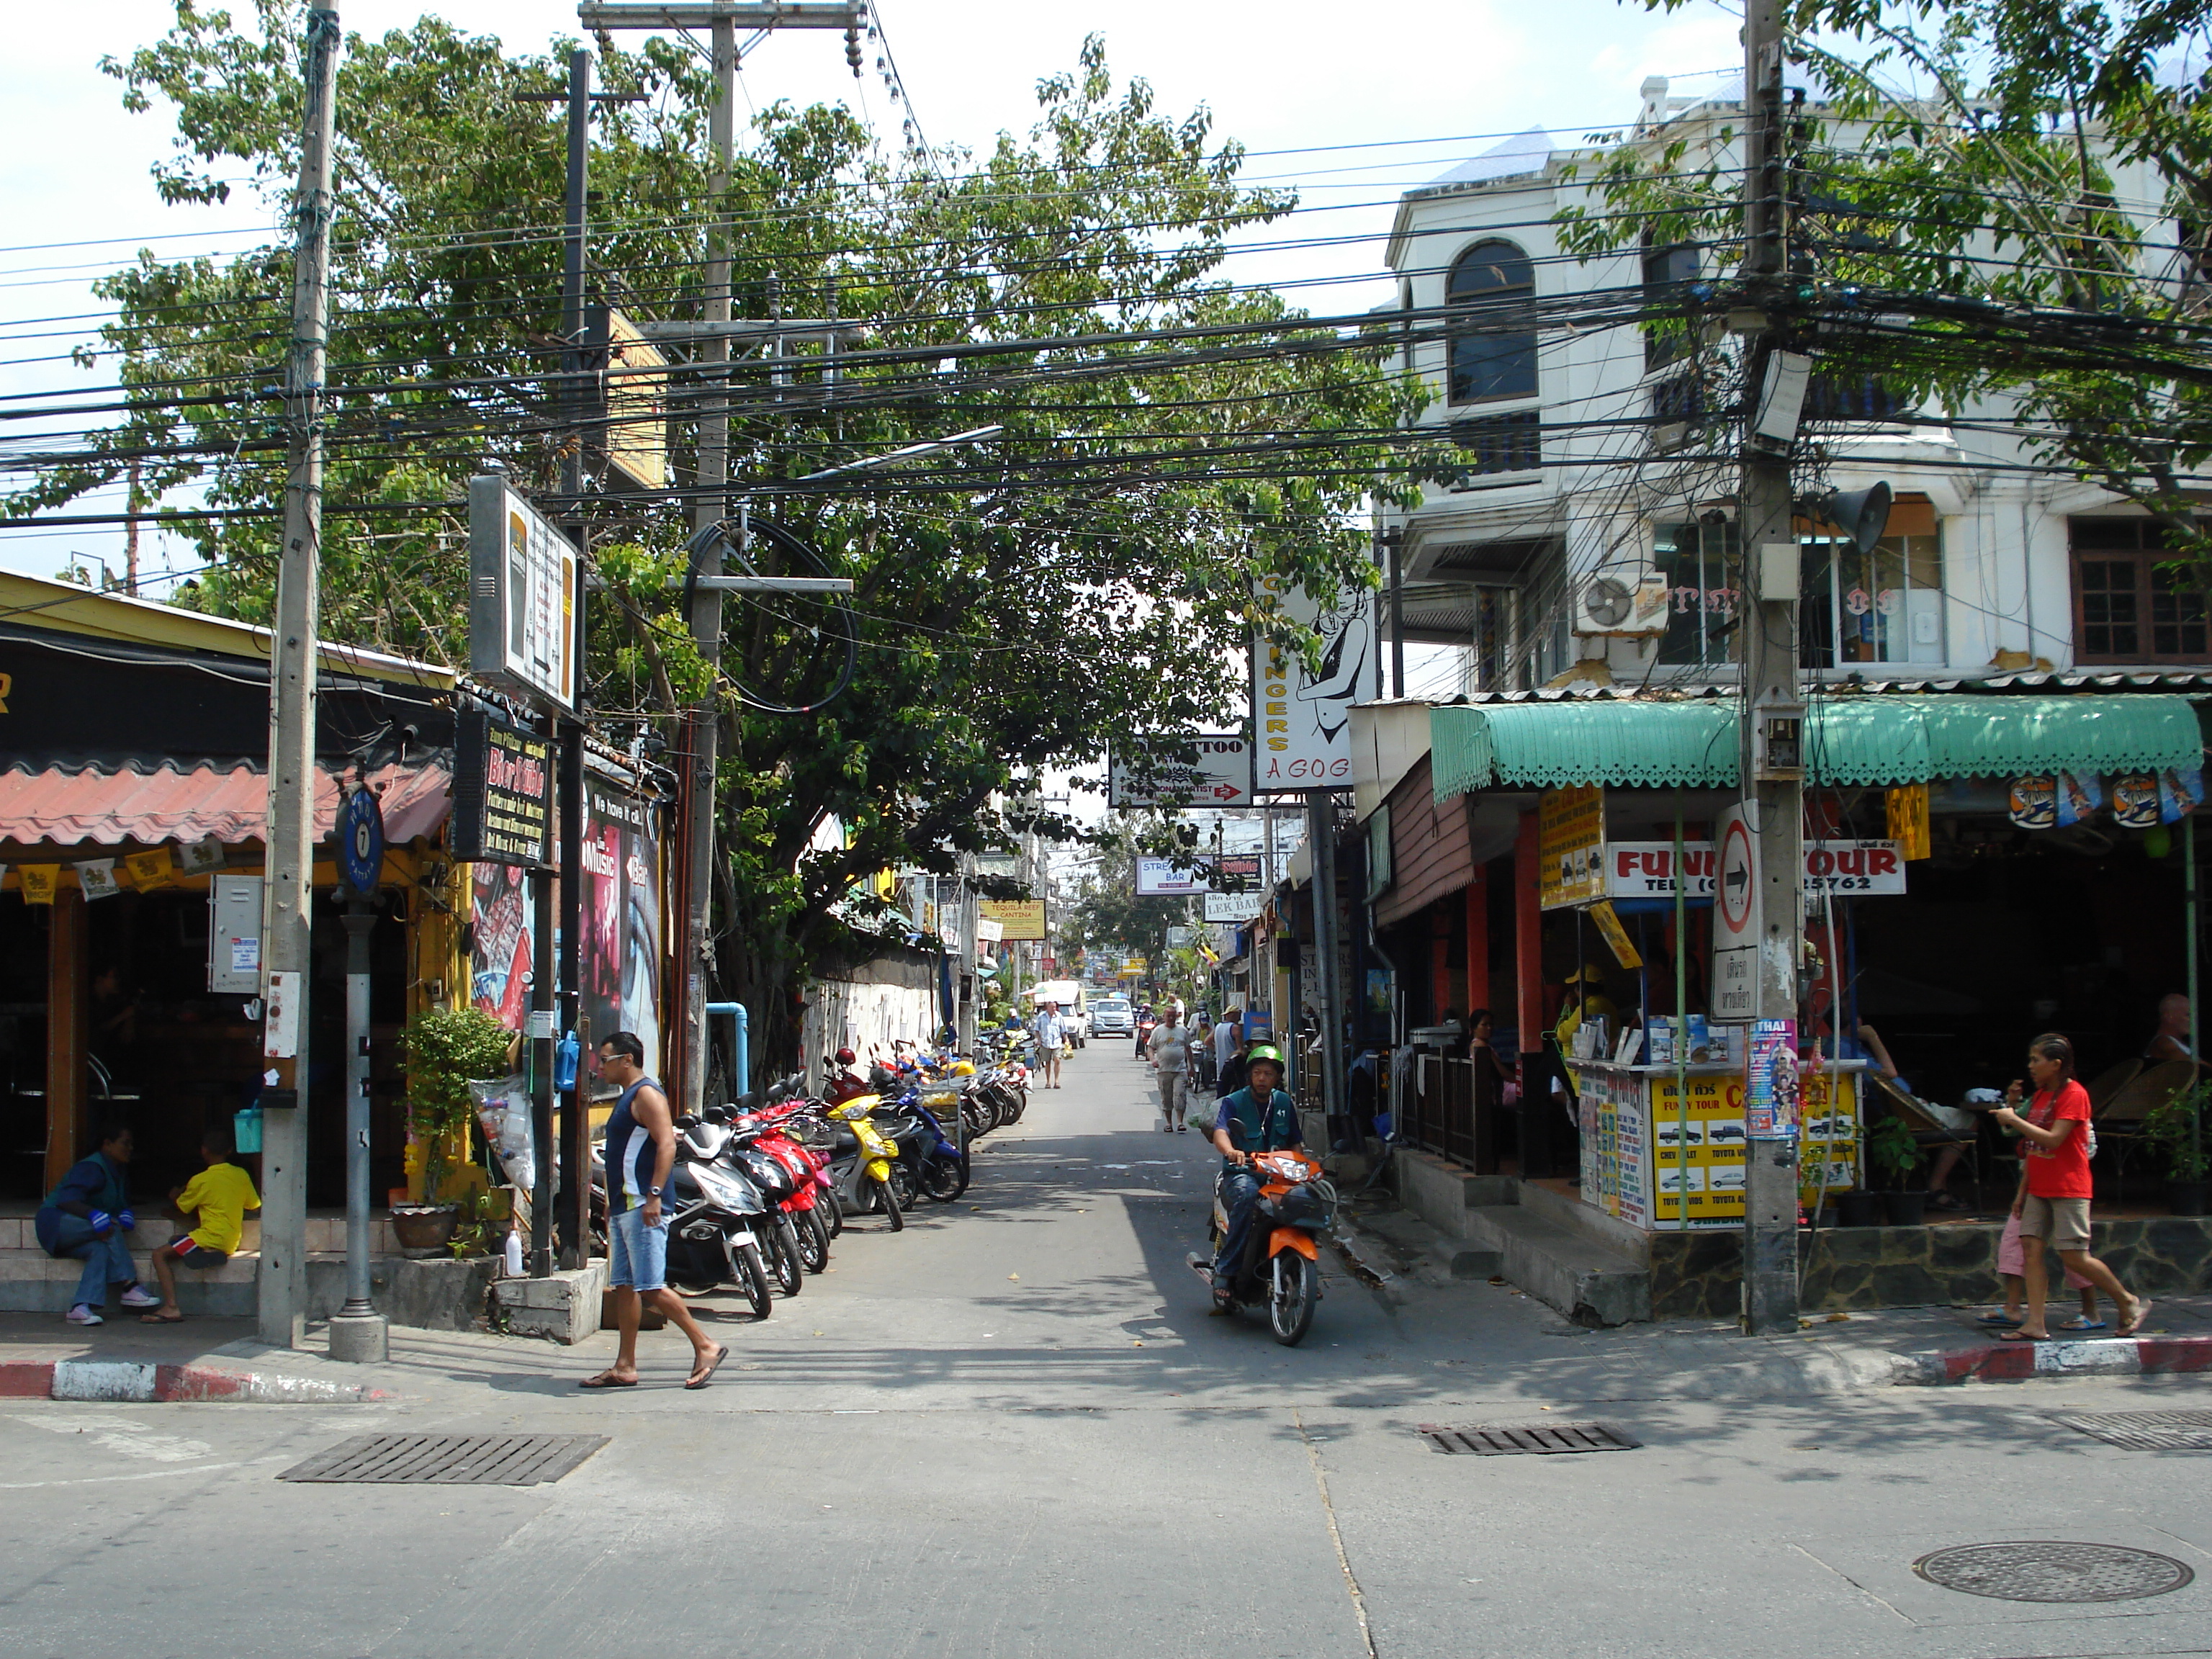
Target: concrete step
[
  {"x": 438, "y": 1294},
  {"x": 324, "y": 1233},
  {"x": 1585, "y": 1280}
]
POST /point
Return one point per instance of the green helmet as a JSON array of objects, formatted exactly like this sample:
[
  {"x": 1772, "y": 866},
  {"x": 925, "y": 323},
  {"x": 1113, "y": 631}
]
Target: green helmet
[{"x": 1264, "y": 1051}]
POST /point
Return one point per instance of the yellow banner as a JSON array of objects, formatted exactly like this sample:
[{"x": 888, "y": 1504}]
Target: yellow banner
[
  {"x": 1571, "y": 846},
  {"x": 1608, "y": 923},
  {"x": 1908, "y": 820}
]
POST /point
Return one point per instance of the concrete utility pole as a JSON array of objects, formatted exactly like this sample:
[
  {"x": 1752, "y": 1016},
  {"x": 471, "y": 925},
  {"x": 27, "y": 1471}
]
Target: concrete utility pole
[
  {"x": 1773, "y": 779},
  {"x": 1328, "y": 985},
  {"x": 711, "y": 506},
  {"x": 286, "y": 959}
]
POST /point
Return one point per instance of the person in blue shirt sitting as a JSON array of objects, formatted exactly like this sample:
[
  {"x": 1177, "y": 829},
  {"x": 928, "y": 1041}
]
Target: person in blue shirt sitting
[
  {"x": 1256, "y": 1118},
  {"x": 86, "y": 1218}
]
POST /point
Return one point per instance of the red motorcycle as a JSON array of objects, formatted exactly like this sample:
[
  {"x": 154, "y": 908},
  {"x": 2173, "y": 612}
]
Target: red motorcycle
[{"x": 792, "y": 1175}]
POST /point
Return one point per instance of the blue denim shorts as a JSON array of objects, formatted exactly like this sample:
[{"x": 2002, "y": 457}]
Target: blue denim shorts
[{"x": 637, "y": 1256}]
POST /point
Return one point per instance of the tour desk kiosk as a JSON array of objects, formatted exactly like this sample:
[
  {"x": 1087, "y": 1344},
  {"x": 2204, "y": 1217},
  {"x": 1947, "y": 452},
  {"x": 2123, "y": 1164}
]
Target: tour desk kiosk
[{"x": 1640, "y": 1148}]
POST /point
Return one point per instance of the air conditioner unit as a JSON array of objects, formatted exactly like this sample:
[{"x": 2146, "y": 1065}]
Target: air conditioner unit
[{"x": 1622, "y": 603}]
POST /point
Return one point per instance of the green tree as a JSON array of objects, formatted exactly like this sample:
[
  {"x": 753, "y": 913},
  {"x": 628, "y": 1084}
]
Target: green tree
[{"x": 1093, "y": 571}]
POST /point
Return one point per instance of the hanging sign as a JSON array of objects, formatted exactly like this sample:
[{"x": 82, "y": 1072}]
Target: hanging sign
[
  {"x": 1571, "y": 846},
  {"x": 1233, "y": 907},
  {"x": 502, "y": 792},
  {"x": 361, "y": 842},
  {"x": 1302, "y": 719},
  {"x": 636, "y": 406},
  {"x": 1906, "y": 810},
  {"x": 150, "y": 870},
  {"x": 1164, "y": 878},
  {"x": 2134, "y": 800},
  {"x": 1616, "y": 936},
  {"x": 1210, "y": 769},
  {"x": 523, "y": 594},
  {"x": 97, "y": 877},
  {"x": 39, "y": 882},
  {"x": 2033, "y": 801},
  {"x": 1735, "y": 995},
  {"x": 1019, "y": 920},
  {"x": 2180, "y": 792}
]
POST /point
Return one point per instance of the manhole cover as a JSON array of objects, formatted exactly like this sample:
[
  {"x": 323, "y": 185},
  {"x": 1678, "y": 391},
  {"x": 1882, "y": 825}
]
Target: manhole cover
[
  {"x": 2037, "y": 1570},
  {"x": 1508, "y": 1440},
  {"x": 469, "y": 1460},
  {"x": 2145, "y": 1430}
]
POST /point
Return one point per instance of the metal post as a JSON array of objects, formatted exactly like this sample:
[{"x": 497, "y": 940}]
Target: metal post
[
  {"x": 282, "y": 1292},
  {"x": 1327, "y": 982},
  {"x": 697, "y": 955},
  {"x": 358, "y": 1331},
  {"x": 2193, "y": 918},
  {"x": 1394, "y": 541},
  {"x": 1769, "y": 632},
  {"x": 540, "y": 1033}
]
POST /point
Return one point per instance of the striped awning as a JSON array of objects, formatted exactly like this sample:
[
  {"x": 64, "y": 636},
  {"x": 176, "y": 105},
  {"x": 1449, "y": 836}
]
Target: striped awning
[{"x": 1850, "y": 740}]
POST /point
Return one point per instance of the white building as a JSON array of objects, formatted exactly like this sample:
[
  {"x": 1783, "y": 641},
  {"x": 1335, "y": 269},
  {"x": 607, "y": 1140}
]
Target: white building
[{"x": 1585, "y": 459}]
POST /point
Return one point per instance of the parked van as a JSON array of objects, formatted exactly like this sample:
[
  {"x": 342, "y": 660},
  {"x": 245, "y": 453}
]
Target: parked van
[{"x": 1074, "y": 1008}]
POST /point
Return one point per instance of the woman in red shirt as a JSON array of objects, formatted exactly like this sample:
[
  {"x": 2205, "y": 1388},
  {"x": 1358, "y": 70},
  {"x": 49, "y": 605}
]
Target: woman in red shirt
[{"x": 2053, "y": 1199}]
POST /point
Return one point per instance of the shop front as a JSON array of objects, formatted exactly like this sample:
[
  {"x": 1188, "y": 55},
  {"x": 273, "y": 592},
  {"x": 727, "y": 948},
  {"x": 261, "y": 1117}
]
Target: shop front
[
  {"x": 1978, "y": 868},
  {"x": 132, "y": 812}
]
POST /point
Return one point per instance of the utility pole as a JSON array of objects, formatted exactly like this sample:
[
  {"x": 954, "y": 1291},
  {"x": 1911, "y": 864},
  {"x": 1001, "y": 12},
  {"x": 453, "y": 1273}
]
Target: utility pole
[
  {"x": 695, "y": 953},
  {"x": 286, "y": 959},
  {"x": 1773, "y": 777}
]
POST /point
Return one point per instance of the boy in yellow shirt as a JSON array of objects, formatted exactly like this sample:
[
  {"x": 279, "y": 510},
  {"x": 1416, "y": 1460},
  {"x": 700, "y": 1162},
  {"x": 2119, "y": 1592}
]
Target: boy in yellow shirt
[{"x": 217, "y": 1198}]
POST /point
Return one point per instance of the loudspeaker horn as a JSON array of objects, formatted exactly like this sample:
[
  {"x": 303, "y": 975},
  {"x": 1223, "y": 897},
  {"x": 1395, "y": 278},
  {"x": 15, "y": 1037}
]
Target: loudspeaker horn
[{"x": 1862, "y": 514}]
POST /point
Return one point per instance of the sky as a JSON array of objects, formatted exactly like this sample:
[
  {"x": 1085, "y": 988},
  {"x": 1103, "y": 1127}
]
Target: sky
[{"x": 1349, "y": 108}]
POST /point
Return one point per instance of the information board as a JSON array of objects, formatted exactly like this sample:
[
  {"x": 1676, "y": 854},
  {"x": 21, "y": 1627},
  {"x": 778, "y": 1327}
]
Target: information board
[
  {"x": 523, "y": 594},
  {"x": 502, "y": 792}
]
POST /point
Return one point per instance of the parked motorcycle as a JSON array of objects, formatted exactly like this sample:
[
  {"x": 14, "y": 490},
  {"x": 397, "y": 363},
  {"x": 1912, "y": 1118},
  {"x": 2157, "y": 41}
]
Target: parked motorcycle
[
  {"x": 717, "y": 1218},
  {"x": 860, "y": 1159},
  {"x": 1282, "y": 1253}
]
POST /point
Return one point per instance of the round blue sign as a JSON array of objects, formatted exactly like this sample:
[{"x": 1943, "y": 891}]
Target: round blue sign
[{"x": 361, "y": 842}]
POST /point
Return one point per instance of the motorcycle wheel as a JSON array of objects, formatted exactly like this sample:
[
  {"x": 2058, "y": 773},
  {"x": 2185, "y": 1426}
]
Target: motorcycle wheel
[
  {"x": 903, "y": 1185},
  {"x": 753, "y": 1280},
  {"x": 1294, "y": 1285},
  {"x": 790, "y": 1270},
  {"x": 813, "y": 1238},
  {"x": 832, "y": 1209},
  {"x": 1017, "y": 1103},
  {"x": 943, "y": 1179},
  {"x": 888, "y": 1198}
]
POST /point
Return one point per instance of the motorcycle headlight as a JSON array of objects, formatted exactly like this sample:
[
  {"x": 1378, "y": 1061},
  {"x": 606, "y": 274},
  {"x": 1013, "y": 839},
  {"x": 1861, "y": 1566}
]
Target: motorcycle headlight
[{"x": 720, "y": 1186}]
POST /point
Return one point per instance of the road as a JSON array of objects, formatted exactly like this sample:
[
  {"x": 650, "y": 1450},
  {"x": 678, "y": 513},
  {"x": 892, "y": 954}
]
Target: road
[{"x": 1014, "y": 1431}]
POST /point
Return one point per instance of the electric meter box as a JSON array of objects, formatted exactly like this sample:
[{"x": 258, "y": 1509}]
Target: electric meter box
[{"x": 234, "y": 934}]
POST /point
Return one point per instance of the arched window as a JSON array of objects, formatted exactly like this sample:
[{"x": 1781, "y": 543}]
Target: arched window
[{"x": 1499, "y": 360}]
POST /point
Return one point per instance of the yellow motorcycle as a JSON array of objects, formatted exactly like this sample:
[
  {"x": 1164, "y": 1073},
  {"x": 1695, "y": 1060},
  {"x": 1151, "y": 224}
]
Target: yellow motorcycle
[{"x": 860, "y": 1160}]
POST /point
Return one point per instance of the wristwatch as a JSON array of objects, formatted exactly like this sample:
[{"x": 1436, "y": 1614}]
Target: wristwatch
[{"x": 652, "y": 1192}]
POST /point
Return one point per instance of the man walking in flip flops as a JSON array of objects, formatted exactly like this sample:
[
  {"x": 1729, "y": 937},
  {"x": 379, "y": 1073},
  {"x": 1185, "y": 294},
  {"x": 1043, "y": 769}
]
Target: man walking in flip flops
[{"x": 641, "y": 1153}]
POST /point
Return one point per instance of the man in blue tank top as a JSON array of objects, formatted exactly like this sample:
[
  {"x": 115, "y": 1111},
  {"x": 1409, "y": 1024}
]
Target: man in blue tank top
[{"x": 641, "y": 1152}]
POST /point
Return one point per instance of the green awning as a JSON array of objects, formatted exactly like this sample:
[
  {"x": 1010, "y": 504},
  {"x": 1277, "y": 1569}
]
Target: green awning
[{"x": 1864, "y": 740}]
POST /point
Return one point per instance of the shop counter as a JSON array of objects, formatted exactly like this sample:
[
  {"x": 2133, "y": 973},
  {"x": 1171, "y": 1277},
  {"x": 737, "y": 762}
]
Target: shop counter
[{"x": 1634, "y": 1165}]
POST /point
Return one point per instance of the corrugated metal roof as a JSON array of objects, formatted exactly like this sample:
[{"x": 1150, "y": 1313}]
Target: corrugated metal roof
[
  {"x": 109, "y": 808},
  {"x": 1848, "y": 740},
  {"x": 1815, "y": 689}
]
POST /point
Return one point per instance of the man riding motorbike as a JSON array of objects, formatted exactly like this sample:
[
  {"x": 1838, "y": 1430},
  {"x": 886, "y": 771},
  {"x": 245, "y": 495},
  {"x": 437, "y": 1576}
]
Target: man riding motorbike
[{"x": 1257, "y": 1118}]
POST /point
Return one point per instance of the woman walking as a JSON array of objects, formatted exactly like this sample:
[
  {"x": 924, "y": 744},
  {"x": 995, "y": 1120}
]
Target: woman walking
[{"x": 2052, "y": 1202}]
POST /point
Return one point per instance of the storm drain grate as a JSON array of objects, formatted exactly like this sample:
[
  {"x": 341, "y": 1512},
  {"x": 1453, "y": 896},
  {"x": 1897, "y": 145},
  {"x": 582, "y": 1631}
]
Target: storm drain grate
[
  {"x": 2145, "y": 1430},
  {"x": 448, "y": 1459},
  {"x": 2036, "y": 1570},
  {"x": 1508, "y": 1440}
]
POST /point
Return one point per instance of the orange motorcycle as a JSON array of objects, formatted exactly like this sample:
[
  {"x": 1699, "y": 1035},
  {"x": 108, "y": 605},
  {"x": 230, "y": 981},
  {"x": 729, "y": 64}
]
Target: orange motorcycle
[{"x": 1282, "y": 1252}]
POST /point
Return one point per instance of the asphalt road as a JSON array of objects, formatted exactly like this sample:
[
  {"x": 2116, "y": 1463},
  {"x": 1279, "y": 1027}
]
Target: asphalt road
[{"x": 1013, "y": 1430}]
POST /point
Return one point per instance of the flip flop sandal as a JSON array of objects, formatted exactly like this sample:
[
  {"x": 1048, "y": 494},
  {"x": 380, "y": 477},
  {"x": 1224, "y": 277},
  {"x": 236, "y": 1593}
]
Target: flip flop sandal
[
  {"x": 2142, "y": 1312},
  {"x": 2020, "y": 1336},
  {"x": 603, "y": 1380},
  {"x": 2078, "y": 1324},
  {"x": 160, "y": 1319},
  {"x": 712, "y": 1366},
  {"x": 1996, "y": 1320}
]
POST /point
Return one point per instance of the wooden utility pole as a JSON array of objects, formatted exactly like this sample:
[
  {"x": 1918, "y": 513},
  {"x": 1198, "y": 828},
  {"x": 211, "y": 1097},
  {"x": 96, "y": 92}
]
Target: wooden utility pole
[
  {"x": 1773, "y": 779},
  {"x": 287, "y": 960}
]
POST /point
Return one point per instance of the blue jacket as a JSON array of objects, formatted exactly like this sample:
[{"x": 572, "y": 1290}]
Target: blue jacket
[
  {"x": 93, "y": 1183},
  {"x": 1254, "y": 1129}
]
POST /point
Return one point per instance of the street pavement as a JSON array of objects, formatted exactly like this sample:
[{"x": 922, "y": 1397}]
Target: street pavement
[{"x": 1013, "y": 1429}]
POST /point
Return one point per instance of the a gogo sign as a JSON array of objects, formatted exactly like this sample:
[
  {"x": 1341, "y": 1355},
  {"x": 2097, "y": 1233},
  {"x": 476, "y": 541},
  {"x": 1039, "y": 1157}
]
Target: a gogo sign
[
  {"x": 1645, "y": 869},
  {"x": 1303, "y": 721}
]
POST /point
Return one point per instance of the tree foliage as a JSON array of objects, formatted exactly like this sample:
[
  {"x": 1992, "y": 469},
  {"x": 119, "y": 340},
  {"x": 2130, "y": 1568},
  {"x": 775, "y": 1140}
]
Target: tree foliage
[
  {"x": 1091, "y": 574},
  {"x": 2003, "y": 199}
]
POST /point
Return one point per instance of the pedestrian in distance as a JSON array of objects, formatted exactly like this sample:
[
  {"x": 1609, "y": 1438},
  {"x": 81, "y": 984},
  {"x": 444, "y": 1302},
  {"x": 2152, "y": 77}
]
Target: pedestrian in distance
[
  {"x": 641, "y": 1152},
  {"x": 212, "y": 1204},
  {"x": 1170, "y": 1049},
  {"x": 1051, "y": 1036},
  {"x": 2053, "y": 1201},
  {"x": 1229, "y": 1076},
  {"x": 86, "y": 1217}
]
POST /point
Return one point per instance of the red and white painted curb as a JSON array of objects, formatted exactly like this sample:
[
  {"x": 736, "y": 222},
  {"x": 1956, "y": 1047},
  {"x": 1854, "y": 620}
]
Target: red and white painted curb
[
  {"x": 127, "y": 1381},
  {"x": 2114, "y": 1356}
]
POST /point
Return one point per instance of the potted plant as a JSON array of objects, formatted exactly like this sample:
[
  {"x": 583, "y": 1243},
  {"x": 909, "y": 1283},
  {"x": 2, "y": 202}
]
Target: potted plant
[
  {"x": 445, "y": 1050},
  {"x": 2174, "y": 1130},
  {"x": 1892, "y": 1150}
]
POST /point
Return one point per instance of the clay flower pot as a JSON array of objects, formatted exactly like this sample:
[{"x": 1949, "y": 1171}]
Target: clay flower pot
[{"x": 425, "y": 1227}]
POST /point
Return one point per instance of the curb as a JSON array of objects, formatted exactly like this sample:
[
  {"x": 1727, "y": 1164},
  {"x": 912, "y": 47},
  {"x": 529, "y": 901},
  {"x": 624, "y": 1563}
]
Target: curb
[
  {"x": 125, "y": 1380},
  {"x": 2014, "y": 1362}
]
